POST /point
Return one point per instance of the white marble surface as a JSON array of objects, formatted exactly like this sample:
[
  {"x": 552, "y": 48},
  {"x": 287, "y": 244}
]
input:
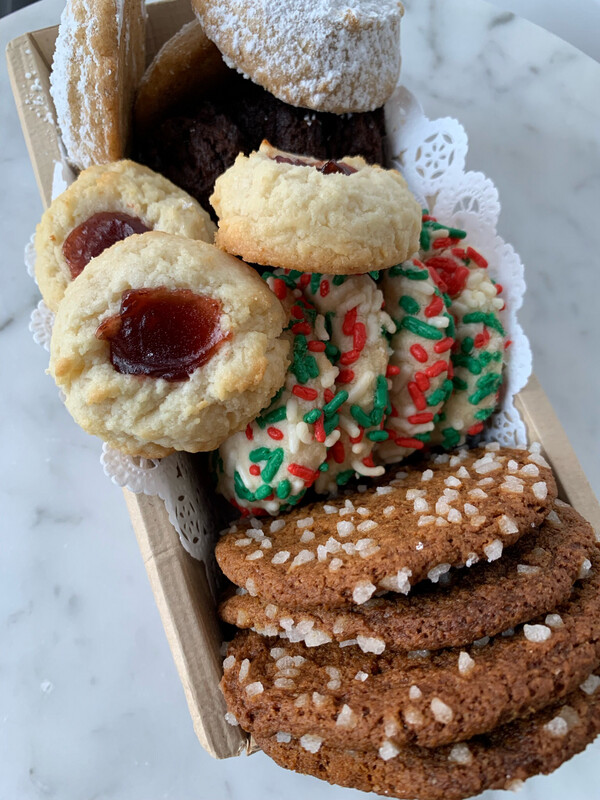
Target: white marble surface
[{"x": 90, "y": 703}]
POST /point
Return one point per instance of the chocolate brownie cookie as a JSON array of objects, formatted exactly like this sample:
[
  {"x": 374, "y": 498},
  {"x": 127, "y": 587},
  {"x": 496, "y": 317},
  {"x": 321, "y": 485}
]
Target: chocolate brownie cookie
[
  {"x": 500, "y": 760},
  {"x": 456, "y": 511},
  {"x": 193, "y": 146},
  {"x": 532, "y": 577},
  {"x": 355, "y": 699}
]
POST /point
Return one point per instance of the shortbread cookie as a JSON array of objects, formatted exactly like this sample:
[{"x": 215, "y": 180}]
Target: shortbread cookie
[
  {"x": 185, "y": 67},
  {"x": 390, "y": 537},
  {"x": 420, "y": 362},
  {"x": 98, "y": 62},
  {"x": 502, "y": 759},
  {"x": 105, "y": 204},
  {"x": 269, "y": 466},
  {"x": 533, "y": 577},
  {"x": 165, "y": 343},
  {"x": 328, "y": 55},
  {"x": 343, "y": 217},
  {"x": 478, "y": 352},
  {"x": 357, "y": 326},
  {"x": 353, "y": 699}
]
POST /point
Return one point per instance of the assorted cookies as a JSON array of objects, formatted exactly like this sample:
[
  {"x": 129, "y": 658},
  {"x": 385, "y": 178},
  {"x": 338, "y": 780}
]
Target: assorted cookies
[
  {"x": 165, "y": 343},
  {"x": 426, "y": 633},
  {"x": 105, "y": 204}
]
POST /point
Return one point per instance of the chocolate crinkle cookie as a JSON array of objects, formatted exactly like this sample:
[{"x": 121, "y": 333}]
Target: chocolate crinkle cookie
[{"x": 193, "y": 146}]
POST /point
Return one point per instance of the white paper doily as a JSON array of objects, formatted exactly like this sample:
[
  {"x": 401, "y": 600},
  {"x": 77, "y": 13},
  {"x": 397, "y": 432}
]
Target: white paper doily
[{"x": 431, "y": 154}]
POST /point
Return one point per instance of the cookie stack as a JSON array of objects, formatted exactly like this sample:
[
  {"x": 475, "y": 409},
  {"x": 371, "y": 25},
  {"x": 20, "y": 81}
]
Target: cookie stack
[{"x": 480, "y": 676}]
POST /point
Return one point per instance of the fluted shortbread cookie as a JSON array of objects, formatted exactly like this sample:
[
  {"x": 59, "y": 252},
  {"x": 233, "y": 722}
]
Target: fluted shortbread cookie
[
  {"x": 532, "y": 578},
  {"x": 450, "y": 513},
  {"x": 98, "y": 62},
  {"x": 165, "y": 343}
]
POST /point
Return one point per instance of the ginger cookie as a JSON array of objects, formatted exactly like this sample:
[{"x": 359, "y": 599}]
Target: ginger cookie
[
  {"x": 354, "y": 699},
  {"x": 502, "y": 759},
  {"x": 98, "y": 62},
  {"x": 165, "y": 343},
  {"x": 334, "y": 217},
  {"x": 533, "y": 577},
  {"x": 453, "y": 511}
]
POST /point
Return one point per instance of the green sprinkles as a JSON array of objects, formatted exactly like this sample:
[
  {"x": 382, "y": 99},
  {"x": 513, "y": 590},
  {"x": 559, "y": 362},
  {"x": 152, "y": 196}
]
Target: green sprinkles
[
  {"x": 490, "y": 319},
  {"x": 273, "y": 463},
  {"x": 312, "y": 416},
  {"x": 259, "y": 454},
  {"x": 338, "y": 280},
  {"x": 420, "y": 328},
  {"x": 263, "y": 492},
  {"x": 277, "y": 415},
  {"x": 484, "y": 413},
  {"x": 378, "y": 436},
  {"x": 315, "y": 282},
  {"x": 343, "y": 477},
  {"x": 332, "y": 406},
  {"x": 409, "y": 304},
  {"x": 486, "y": 385},
  {"x": 468, "y": 362},
  {"x": 283, "y": 489},
  {"x": 304, "y": 365}
]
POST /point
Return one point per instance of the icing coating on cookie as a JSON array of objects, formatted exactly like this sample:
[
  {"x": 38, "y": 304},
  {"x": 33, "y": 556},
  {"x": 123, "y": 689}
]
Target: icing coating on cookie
[
  {"x": 357, "y": 326},
  {"x": 269, "y": 466},
  {"x": 420, "y": 370}
]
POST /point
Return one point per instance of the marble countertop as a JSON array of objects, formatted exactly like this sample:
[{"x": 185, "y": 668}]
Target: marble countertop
[{"x": 90, "y": 702}]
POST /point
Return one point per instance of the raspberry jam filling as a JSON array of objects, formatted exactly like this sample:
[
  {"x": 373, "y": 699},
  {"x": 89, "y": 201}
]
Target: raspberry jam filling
[
  {"x": 100, "y": 231},
  {"x": 163, "y": 333},
  {"x": 326, "y": 167}
]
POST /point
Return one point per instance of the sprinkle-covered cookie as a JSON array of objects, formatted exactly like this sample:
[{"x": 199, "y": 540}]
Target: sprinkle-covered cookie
[
  {"x": 533, "y": 577},
  {"x": 269, "y": 466},
  {"x": 455, "y": 511},
  {"x": 502, "y": 759},
  {"x": 363, "y": 700},
  {"x": 478, "y": 352},
  {"x": 420, "y": 362},
  {"x": 357, "y": 327}
]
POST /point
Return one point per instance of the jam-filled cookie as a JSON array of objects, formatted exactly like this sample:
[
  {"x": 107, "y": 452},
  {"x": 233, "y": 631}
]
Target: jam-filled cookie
[
  {"x": 166, "y": 343},
  {"x": 334, "y": 217},
  {"x": 98, "y": 62},
  {"x": 104, "y": 205},
  {"x": 328, "y": 56}
]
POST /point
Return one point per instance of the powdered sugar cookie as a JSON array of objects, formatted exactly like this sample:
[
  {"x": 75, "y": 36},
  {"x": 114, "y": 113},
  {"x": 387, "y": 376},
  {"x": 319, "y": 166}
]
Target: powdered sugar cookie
[
  {"x": 327, "y": 55},
  {"x": 333, "y": 217},
  {"x": 478, "y": 353},
  {"x": 165, "y": 343},
  {"x": 98, "y": 62},
  {"x": 187, "y": 65},
  {"x": 357, "y": 325},
  {"x": 269, "y": 466},
  {"x": 420, "y": 361},
  {"x": 105, "y": 204}
]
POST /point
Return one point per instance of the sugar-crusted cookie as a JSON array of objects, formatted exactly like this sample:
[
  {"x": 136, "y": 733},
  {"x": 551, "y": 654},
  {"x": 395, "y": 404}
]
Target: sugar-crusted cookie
[
  {"x": 357, "y": 326},
  {"x": 533, "y": 577},
  {"x": 105, "y": 204},
  {"x": 98, "y": 62},
  {"x": 334, "y": 217},
  {"x": 328, "y": 55},
  {"x": 502, "y": 759},
  {"x": 269, "y": 466},
  {"x": 187, "y": 65},
  {"x": 456, "y": 511},
  {"x": 165, "y": 343},
  {"x": 420, "y": 362},
  {"x": 353, "y": 699}
]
